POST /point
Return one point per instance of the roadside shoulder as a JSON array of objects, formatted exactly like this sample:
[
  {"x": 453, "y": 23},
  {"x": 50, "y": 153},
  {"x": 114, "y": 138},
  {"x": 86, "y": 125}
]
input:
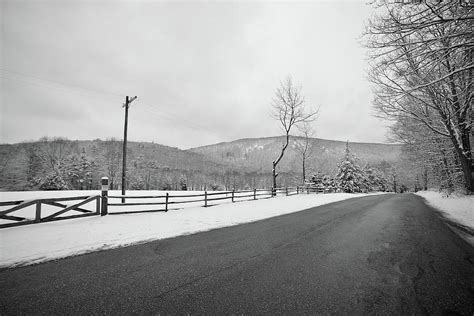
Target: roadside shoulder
[{"x": 457, "y": 212}]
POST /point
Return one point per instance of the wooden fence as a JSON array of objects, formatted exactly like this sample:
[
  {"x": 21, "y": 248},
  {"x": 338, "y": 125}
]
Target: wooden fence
[
  {"x": 39, "y": 214},
  {"x": 156, "y": 203},
  {"x": 164, "y": 203}
]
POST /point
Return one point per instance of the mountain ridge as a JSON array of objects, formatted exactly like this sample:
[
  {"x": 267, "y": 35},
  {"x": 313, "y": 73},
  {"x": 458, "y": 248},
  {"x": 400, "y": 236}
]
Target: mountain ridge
[
  {"x": 256, "y": 154},
  {"x": 291, "y": 136},
  {"x": 241, "y": 163}
]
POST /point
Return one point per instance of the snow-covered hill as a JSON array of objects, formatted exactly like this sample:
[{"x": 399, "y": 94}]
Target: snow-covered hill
[{"x": 256, "y": 154}]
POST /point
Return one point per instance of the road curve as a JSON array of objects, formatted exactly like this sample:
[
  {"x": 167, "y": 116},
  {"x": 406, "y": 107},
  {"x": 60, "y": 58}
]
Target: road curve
[{"x": 384, "y": 254}]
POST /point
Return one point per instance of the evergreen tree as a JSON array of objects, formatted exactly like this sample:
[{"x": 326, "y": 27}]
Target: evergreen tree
[
  {"x": 111, "y": 160},
  {"x": 34, "y": 164},
  {"x": 350, "y": 178},
  {"x": 54, "y": 181},
  {"x": 79, "y": 170},
  {"x": 317, "y": 179},
  {"x": 183, "y": 186},
  {"x": 374, "y": 179},
  {"x": 323, "y": 181}
]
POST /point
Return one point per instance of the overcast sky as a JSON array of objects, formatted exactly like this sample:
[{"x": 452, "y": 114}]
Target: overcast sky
[{"x": 204, "y": 72}]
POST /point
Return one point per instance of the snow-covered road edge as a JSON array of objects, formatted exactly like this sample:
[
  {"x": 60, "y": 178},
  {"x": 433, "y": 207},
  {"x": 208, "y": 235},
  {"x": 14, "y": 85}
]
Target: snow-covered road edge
[{"x": 37, "y": 243}]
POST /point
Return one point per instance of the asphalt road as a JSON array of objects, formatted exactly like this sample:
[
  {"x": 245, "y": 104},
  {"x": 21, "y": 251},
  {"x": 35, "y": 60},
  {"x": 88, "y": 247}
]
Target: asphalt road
[{"x": 385, "y": 254}]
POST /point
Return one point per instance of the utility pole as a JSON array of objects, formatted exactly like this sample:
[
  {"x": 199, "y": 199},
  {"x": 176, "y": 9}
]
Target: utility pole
[{"x": 128, "y": 100}]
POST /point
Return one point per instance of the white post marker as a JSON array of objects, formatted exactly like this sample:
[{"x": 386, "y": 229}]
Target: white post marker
[{"x": 105, "y": 188}]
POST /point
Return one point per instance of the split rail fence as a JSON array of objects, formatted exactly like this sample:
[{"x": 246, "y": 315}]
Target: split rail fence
[
  {"x": 42, "y": 216},
  {"x": 166, "y": 202},
  {"x": 105, "y": 204}
]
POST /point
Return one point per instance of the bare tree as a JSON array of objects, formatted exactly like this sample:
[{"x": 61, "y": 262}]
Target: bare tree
[
  {"x": 288, "y": 107},
  {"x": 429, "y": 152},
  {"x": 422, "y": 64},
  {"x": 304, "y": 146},
  {"x": 54, "y": 152}
]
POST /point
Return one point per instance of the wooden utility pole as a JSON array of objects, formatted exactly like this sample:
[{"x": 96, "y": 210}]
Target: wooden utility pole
[{"x": 128, "y": 100}]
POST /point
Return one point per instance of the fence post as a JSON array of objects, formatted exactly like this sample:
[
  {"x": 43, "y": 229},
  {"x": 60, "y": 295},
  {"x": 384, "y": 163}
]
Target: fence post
[
  {"x": 105, "y": 187},
  {"x": 297, "y": 189},
  {"x": 254, "y": 194},
  {"x": 233, "y": 192},
  {"x": 166, "y": 202},
  {"x": 97, "y": 205},
  {"x": 286, "y": 190},
  {"x": 307, "y": 190},
  {"x": 38, "y": 212},
  {"x": 205, "y": 198}
]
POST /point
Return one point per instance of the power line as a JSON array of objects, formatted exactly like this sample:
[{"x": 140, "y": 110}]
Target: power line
[
  {"x": 64, "y": 85},
  {"x": 173, "y": 118},
  {"x": 49, "y": 88}
]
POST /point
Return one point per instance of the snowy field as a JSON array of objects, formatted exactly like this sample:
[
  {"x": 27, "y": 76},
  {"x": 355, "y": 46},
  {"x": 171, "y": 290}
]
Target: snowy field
[
  {"x": 457, "y": 208},
  {"x": 46, "y": 241}
]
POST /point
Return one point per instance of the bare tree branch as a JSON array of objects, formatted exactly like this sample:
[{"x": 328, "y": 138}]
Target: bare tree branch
[{"x": 288, "y": 107}]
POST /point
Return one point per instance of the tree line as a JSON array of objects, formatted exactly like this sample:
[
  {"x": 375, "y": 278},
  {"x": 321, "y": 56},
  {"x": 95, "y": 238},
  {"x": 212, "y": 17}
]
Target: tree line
[
  {"x": 61, "y": 164},
  {"x": 421, "y": 56},
  {"x": 353, "y": 176}
]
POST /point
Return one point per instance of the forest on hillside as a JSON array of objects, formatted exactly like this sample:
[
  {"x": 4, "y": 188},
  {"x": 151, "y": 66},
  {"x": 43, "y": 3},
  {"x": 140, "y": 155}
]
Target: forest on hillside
[{"x": 61, "y": 164}]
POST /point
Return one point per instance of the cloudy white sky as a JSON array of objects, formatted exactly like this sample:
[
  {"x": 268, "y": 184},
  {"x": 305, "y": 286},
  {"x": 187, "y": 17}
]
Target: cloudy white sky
[{"x": 204, "y": 72}]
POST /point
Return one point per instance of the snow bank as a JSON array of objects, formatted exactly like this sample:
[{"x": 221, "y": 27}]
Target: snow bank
[
  {"x": 457, "y": 208},
  {"x": 46, "y": 241}
]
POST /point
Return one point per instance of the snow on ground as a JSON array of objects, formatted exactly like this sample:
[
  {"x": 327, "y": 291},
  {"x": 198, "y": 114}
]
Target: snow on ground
[
  {"x": 457, "y": 208},
  {"x": 29, "y": 212},
  {"x": 52, "y": 240}
]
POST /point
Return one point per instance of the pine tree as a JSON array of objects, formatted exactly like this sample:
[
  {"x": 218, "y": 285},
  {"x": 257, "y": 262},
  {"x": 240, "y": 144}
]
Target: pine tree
[
  {"x": 317, "y": 179},
  {"x": 34, "y": 164},
  {"x": 350, "y": 178},
  {"x": 183, "y": 183},
  {"x": 111, "y": 159},
  {"x": 54, "y": 181},
  {"x": 323, "y": 181},
  {"x": 79, "y": 170},
  {"x": 374, "y": 179}
]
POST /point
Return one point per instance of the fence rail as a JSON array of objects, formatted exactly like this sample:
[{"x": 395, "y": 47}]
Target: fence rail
[
  {"x": 157, "y": 203},
  {"x": 40, "y": 215},
  {"x": 206, "y": 199},
  {"x": 167, "y": 201}
]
